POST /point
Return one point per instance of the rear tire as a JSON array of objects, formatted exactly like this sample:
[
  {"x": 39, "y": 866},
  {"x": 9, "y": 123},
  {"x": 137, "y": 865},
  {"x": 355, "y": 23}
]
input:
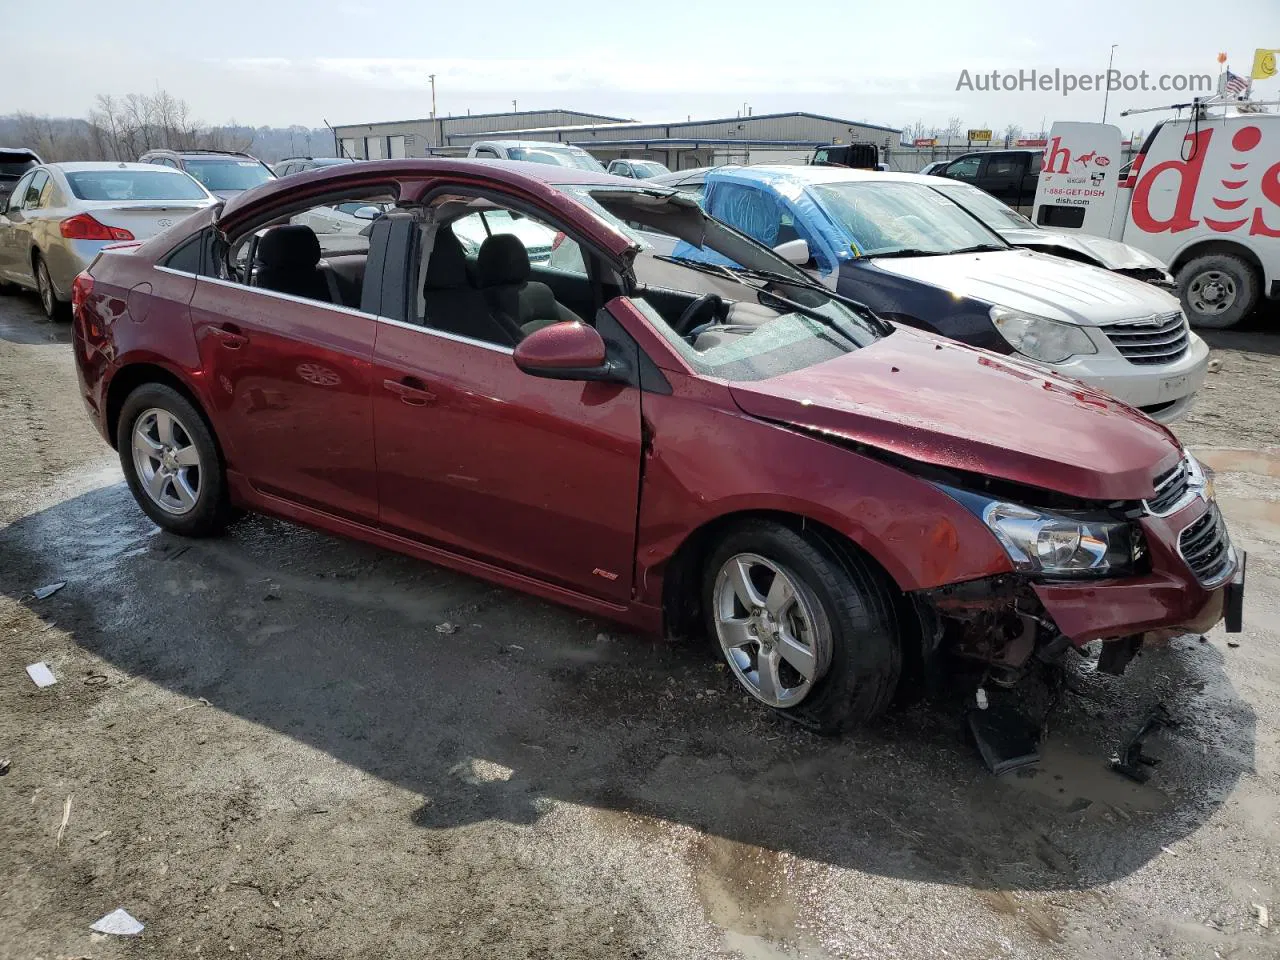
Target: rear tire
[
  {"x": 1217, "y": 291},
  {"x": 54, "y": 309},
  {"x": 172, "y": 463},
  {"x": 841, "y": 611}
]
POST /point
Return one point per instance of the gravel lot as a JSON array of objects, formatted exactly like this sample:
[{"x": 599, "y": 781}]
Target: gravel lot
[{"x": 270, "y": 750}]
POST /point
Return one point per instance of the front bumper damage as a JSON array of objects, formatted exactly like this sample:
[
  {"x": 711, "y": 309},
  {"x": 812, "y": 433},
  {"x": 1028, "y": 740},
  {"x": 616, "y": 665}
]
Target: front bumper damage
[
  {"x": 1010, "y": 623},
  {"x": 1003, "y": 620}
]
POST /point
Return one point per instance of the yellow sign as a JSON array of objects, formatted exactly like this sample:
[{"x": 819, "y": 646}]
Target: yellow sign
[
  {"x": 979, "y": 134},
  {"x": 1264, "y": 64}
]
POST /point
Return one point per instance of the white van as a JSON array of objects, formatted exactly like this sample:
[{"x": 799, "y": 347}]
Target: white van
[
  {"x": 535, "y": 151},
  {"x": 1202, "y": 195}
]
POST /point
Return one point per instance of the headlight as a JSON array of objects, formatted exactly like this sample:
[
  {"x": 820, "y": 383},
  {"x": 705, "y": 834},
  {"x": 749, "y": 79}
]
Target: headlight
[
  {"x": 1040, "y": 338},
  {"x": 1058, "y": 545}
]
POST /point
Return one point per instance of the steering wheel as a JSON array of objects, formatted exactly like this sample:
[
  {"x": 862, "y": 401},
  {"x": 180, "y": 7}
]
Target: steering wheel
[{"x": 709, "y": 304}]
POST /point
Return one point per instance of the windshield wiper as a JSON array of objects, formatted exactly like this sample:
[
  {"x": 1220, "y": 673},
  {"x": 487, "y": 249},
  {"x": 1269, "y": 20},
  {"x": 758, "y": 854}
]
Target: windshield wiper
[
  {"x": 980, "y": 248},
  {"x": 809, "y": 312},
  {"x": 702, "y": 266},
  {"x": 861, "y": 310},
  {"x": 905, "y": 252}
]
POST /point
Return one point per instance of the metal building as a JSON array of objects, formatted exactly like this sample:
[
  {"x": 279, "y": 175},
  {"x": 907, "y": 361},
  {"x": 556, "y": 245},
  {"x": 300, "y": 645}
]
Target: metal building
[
  {"x": 777, "y": 137},
  {"x": 424, "y": 137}
]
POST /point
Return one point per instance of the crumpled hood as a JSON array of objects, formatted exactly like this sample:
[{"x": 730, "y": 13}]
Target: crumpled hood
[
  {"x": 1112, "y": 254},
  {"x": 1036, "y": 283},
  {"x": 944, "y": 403}
]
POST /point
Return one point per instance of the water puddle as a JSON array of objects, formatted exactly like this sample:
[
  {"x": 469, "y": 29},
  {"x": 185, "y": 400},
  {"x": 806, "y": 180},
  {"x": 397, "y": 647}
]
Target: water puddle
[
  {"x": 1263, "y": 463},
  {"x": 1082, "y": 781}
]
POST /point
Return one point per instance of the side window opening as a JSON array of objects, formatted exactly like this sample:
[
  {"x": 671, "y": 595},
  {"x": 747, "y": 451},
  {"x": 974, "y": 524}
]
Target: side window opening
[
  {"x": 320, "y": 253},
  {"x": 495, "y": 274},
  {"x": 32, "y": 200},
  {"x": 189, "y": 257},
  {"x": 966, "y": 168}
]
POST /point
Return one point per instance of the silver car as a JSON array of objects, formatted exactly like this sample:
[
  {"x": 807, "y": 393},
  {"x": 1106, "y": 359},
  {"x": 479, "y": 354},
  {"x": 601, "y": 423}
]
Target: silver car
[{"x": 61, "y": 214}]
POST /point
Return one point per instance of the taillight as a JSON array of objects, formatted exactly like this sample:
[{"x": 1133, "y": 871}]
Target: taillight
[
  {"x": 81, "y": 287},
  {"x": 559, "y": 239},
  {"x": 1134, "y": 169},
  {"x": 84, "y": 227}
]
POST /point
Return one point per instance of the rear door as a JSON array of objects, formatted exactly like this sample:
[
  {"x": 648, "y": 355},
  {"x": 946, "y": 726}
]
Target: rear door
[
  {"x": 289, "y": 381},
  {"x": 11, "y": 265},
  {"x": 22, "y": 221}
]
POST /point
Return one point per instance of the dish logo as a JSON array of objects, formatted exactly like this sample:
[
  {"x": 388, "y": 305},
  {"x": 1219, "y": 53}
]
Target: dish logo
[
  {"x": 1058, "y": 159},
  {"x": 1231, "y": 198}
]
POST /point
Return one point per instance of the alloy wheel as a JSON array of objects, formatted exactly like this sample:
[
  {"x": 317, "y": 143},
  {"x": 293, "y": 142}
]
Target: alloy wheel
[
  {"x": 766, "y": 629},
  {"x": 1211, "y": 292},
  {"x": 167, "y": 461},
  {"x": 45, "y": 286}
]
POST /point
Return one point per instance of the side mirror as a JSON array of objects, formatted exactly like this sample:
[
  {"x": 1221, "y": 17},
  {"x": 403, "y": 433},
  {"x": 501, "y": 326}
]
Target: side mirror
[
  {"x": 367, "y": 213},
  {"x": 793, "y": 251},
  {"x": 566, "y": 351}
]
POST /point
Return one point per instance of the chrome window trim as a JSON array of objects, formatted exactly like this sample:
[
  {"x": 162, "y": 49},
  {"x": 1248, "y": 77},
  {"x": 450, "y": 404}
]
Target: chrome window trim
[
  {"x": 445, "y": 335},
  {"x": 334, "y": 308}
]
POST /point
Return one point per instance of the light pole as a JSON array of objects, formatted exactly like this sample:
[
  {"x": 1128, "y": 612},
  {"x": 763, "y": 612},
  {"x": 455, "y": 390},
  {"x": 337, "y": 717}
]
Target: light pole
[
  {"x": 432, "y": 78},
  {"x": 1107, "y": 95}
]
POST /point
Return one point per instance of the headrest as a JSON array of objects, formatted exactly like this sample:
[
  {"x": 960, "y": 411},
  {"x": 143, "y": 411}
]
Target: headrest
[
  {"x": 502, "y": 260},
  {"x": 290, "y": 246},
  {"x": 447, "y": 265}
]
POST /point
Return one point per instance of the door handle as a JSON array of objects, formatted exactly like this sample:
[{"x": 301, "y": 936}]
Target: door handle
[
  {"x": 230, "y": 336},
  {"x": 410, "y": 390}
]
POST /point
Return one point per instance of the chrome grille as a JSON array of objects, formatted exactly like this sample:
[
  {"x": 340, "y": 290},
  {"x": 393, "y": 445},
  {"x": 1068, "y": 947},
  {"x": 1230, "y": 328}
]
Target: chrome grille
[
  {"x": 1161, "y": 339},
  {"x": 1206, "y": 548},
  {"x": 1171, "y": 486}
]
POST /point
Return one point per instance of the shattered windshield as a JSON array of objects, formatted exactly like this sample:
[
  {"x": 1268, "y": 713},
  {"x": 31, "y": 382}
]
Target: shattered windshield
[
  {"x": 885, "y": 218},
  {"x": 730, "y": 306},
  {"x": 984, "y": 206}
]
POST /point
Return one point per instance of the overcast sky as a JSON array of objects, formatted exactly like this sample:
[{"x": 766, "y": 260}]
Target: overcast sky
[{"x": 279, "y": 62}]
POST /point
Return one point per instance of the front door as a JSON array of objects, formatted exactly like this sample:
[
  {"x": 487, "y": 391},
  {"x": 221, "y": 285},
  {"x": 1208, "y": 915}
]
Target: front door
[
  {"x": 290, "y": 388},
  {"x": 540, "y": 476}
]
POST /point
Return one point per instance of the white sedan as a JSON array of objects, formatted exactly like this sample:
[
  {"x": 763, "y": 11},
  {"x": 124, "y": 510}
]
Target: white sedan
[{"x": 60, "y": 215}]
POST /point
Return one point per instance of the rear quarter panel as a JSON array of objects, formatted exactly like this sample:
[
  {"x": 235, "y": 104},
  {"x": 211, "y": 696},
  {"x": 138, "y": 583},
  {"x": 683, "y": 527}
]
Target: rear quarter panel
[{"x": 136, "y": 314}]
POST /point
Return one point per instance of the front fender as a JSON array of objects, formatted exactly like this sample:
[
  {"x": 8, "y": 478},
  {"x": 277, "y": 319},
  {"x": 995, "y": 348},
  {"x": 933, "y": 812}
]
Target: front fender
[{"x": 708, "y": 462}]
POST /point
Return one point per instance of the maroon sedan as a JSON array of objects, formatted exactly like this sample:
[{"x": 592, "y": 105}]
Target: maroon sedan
[{"x": 499, "y": 367}]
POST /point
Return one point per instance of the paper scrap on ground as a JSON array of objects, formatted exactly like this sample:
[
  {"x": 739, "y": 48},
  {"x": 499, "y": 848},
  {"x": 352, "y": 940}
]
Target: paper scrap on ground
[
  {"x": 118, "y": 922},
  {"x": 41, "y": 675},
  {"x": 43, "y": 592}
]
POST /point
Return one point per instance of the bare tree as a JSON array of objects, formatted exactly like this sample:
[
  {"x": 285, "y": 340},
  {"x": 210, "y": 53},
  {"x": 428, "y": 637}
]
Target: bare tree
[
  {"x": 954, "y": 126},
  {"x": 1011, "y": 133}
]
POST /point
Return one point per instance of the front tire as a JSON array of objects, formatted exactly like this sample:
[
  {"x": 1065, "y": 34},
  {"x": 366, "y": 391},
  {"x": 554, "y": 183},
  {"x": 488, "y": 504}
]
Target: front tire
[
  {"x": 54, "y": 309},
  {"x": 1217, "y": 291},
  {"x": 172, "y": 463},
  {"x": 807, "y": 629}
]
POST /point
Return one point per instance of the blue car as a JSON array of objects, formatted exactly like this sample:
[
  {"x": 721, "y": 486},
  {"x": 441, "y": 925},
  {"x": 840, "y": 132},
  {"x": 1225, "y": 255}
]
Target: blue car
[{"x": 896, "y": 243}]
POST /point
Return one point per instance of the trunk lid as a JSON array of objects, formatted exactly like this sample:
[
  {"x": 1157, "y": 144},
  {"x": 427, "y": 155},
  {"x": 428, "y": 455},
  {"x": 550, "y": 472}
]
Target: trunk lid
[
  {"x": 936, "y": 401},
  {"x": 143, "y": 218}
]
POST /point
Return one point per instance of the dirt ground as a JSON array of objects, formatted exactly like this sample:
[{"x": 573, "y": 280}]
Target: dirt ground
[{"x": 268, "y": 749}]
